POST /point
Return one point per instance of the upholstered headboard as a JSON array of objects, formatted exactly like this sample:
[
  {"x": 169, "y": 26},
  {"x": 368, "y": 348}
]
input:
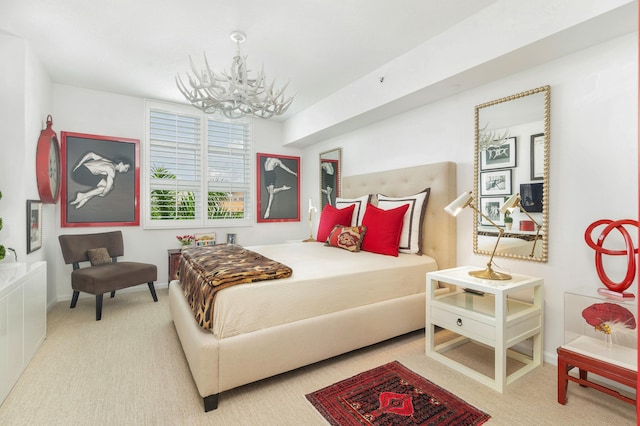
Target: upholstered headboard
[{"x": 439, "y": 237}]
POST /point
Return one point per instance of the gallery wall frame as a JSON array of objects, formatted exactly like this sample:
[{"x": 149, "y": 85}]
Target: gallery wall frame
[
  {"x": 499, "y": 157},
  {"x": 537, "y": 156},
  {"x": 278, "y": 188},
  {"x": 490, "y": 206},
  {"x": 532, "y": 196},
  {"x": 497, "y": 182},
  {"x": 34, "y": 225},
  {"x": 100, "y": 180}
]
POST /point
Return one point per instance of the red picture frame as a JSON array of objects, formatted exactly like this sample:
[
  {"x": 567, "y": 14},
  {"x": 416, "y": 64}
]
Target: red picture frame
[
  {"x": 278, "y": 188},
  {"x": 100, "y": 180}
]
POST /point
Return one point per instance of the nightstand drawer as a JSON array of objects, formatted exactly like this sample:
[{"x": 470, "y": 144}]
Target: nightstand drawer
[{"x": 463, "y": 325}]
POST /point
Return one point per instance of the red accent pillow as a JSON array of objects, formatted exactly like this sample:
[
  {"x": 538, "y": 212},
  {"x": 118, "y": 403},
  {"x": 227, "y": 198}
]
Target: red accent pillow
[
  {"x": 331, "y": 217},
  {"x": 384, "y": 228}
]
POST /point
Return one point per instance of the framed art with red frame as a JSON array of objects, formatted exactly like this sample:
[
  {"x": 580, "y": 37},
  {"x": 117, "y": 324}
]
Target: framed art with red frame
[
  {"x": 100, "y": 180},
  {"x": 278, "y": 189}
]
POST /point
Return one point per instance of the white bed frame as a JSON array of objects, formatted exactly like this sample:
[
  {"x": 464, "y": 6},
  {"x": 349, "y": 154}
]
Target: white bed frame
[{"x": 218, "y": 365}]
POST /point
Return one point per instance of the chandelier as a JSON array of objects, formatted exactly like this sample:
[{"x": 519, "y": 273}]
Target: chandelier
[{"x": 233, "y": 94}]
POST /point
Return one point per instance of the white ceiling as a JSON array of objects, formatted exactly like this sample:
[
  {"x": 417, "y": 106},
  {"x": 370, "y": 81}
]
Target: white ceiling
[{"x": 137, "y": 47}]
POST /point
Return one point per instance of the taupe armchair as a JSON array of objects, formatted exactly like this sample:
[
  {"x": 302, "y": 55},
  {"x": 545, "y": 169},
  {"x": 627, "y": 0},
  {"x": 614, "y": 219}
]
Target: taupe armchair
[{"x": 105, "y": 274}]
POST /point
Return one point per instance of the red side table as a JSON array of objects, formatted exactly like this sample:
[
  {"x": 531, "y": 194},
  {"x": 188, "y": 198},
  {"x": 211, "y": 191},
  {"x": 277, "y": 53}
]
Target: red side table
[{"x": 568, "y": 360}]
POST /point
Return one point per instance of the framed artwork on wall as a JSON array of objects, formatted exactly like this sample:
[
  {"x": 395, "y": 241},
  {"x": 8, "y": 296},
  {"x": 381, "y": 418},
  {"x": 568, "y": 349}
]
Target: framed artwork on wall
[
  {"x": 499, "y": 157},
  {"x": 495, "y": 183},
  {"x": 329, "y": 181},
  {"x": 537, "y": 156},
  {"x": 531, "y": 195},
  {"x": 278, "y": 188},
  {"x": 100, "y": 180},
  {"x": 490, "y": 206},
  {"x": 34, "y": 225}
]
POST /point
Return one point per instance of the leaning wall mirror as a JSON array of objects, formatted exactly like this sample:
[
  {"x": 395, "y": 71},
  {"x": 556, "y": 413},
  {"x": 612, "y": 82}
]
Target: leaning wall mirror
[
  {"x": 330, "y": 175},
  {"x": 512, "y": 157}
]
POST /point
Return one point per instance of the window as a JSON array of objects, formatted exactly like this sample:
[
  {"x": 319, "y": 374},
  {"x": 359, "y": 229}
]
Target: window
[{"x": 198, "y": 169}]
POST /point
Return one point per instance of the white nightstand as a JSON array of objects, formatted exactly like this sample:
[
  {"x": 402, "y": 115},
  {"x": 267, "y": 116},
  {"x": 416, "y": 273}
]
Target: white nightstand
[{"x": 493, "y": 318}]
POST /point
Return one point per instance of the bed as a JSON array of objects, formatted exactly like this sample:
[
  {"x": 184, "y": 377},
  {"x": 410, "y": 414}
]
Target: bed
[{"x": 263, "y": 344}]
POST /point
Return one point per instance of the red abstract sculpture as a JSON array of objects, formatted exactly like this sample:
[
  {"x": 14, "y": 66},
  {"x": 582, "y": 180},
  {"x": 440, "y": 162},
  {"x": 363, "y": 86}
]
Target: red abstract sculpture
[{"x": 616, "y": 289}]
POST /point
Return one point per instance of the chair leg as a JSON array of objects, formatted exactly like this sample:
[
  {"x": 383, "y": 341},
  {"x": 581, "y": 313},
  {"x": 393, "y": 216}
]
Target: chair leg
[
  {"x": 98, "y": 307},
  {"x": 113, "y": 294},
  {"x": 152, "y": 289},
  {"x": 74, "y": 299}
]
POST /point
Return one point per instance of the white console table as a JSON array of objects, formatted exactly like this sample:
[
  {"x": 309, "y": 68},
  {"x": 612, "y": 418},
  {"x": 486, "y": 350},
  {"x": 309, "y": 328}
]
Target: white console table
[
  {"x": 491, "y": 317},
  {"x": 23, "y": 318}
]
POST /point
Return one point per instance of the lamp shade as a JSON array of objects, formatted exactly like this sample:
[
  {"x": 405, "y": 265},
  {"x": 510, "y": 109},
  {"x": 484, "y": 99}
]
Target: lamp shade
[
  {"x": 459, "y": 203},
  {"x": 511, "y": 203}
]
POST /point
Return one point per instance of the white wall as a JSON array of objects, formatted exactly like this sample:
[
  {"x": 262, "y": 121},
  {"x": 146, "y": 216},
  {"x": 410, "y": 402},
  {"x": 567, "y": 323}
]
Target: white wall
[
  {"x": 99, "y": 113},
  {"x": 593, "y": 158},
  {"x": 25, "y": 102}
]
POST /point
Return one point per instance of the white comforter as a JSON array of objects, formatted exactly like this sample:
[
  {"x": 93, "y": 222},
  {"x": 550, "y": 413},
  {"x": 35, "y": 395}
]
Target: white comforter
[{"x": 324, "y": 280}]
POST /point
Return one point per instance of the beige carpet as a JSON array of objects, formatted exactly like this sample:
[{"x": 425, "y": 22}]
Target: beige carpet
[{"x": 129, "y": 369}]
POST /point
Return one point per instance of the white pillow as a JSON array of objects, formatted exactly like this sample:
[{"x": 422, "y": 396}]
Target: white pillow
[
  {"x": 359, "y": 209},
  {"x": 411, "y": 236}
]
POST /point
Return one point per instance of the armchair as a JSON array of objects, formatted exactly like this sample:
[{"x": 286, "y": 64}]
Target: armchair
[{"x": 106, "y": 274}]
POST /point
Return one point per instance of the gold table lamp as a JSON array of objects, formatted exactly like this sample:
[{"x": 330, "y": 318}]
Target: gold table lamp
[{"x": 456, "y": 206}]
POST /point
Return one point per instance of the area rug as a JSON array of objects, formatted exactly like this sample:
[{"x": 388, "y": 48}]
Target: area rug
[{"x": 392, "y": 395}]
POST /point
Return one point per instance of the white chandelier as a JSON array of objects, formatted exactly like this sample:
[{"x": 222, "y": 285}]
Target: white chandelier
[{"x": 233, "y": 94}]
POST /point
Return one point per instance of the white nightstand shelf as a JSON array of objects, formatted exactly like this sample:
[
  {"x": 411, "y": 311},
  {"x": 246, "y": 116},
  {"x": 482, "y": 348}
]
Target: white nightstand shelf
[{"x": 493, "y": 318}]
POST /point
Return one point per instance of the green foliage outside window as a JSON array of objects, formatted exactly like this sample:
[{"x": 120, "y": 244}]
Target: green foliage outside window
[{"x": 169, "y": 204}]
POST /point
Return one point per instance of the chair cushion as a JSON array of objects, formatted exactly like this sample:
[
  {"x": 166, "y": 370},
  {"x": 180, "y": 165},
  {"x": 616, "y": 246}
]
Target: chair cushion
[{"x": 112, "y": 276}]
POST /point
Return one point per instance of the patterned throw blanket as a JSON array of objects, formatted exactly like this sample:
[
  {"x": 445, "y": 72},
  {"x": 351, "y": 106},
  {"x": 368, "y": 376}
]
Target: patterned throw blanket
[{"x": 206, "y": 270}]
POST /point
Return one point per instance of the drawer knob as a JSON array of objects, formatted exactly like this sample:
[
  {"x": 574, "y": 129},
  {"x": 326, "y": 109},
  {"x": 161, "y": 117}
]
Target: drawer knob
[{"x": 459, "y": 322}]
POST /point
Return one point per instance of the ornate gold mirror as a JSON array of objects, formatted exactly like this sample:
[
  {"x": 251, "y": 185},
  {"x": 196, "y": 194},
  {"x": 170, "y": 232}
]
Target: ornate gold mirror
[
  {"x": 330, "y": 175},
  {"x": 512, "y": 157}
]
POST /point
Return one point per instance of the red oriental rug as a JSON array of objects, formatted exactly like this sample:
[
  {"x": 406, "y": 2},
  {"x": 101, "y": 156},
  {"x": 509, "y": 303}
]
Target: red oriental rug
[{"x": 392, "y": 395}]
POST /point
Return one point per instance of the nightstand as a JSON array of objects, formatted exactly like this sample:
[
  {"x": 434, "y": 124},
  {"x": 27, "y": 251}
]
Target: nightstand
[
  {"x": 174, "y": 261},
  {"x": 486, "y": 313}
]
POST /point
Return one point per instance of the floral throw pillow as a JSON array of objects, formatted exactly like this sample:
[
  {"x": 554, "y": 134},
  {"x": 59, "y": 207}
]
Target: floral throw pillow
[{"x": 346, "y": 237}]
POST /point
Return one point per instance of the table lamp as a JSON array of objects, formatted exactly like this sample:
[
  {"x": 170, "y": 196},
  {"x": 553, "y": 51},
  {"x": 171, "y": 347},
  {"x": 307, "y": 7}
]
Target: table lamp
[
  {"x": 466, "y": 200},
  {"x": 311, "y": 210},
  {"x": 515, "y": 201}
]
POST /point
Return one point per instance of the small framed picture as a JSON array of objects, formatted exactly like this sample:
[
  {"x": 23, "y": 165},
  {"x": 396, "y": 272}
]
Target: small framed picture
[
  {"x": 34, "y": 225},
  {"x": 203, "y": 240},
  {"x": 537, "y": 156},
  {"x": 231, "y": 238},
  {"x": 499, "y": 157},
  {"x": 531, "y": 195},
  {"x": 490, "y": 207},
  {"x": 495, "y": 183}
]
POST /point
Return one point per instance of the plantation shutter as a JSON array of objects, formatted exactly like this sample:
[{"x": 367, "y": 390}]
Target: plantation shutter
[
  {"x": 175, "y": 166},
  {"x": 228, "y": 170},
  {"x": 198, "y": 169}
]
